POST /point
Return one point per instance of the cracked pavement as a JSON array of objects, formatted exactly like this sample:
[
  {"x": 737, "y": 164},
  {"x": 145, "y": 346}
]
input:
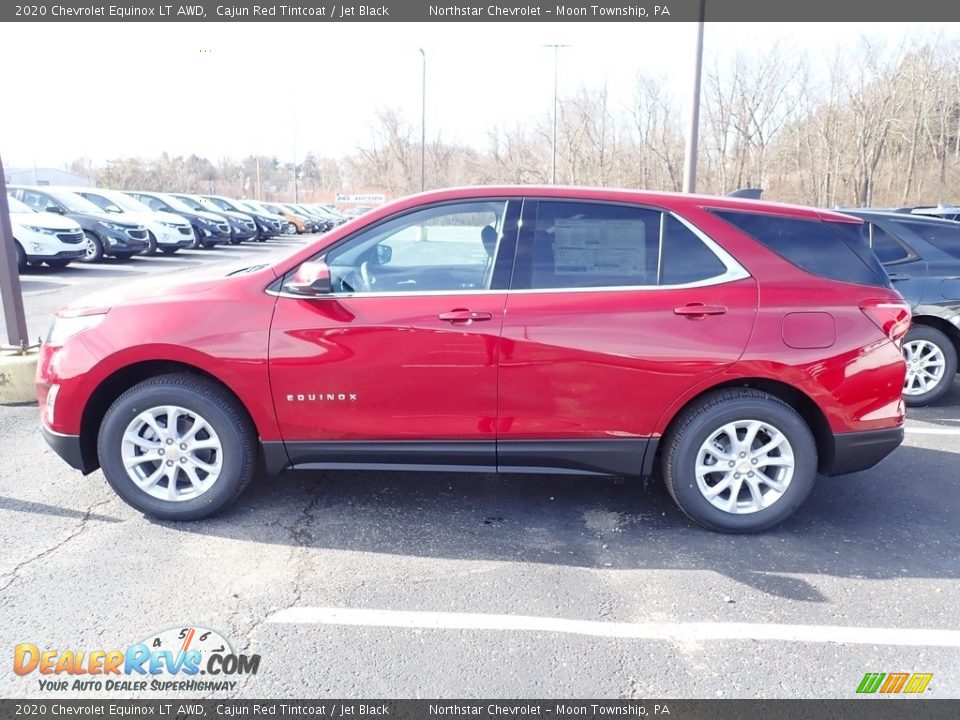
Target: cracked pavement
[{"x": 81, "y": 570}]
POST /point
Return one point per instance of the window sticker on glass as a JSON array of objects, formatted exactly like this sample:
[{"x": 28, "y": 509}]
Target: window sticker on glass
[{"x": 599, "y": 247}]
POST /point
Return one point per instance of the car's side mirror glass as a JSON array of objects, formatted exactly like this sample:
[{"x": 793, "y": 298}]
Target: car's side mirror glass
[
  {"x": 54, "y": 209},
  {"x": 384, "y": 254},
  {"x": 310, "y": 279}
]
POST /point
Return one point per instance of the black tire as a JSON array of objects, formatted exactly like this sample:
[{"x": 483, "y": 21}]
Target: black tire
[
  {"x": 221, "y": 410},
  {"x": 57, "y": 264},
  {"x": 124, "y": 257},
  {"x": 196, "y": 242},
  {"x": 290, "y": 229},
  {"x": 152, "y": 245},
  {"x": 21, "y": 257},
  {"x": 94, "y": 248},
  {"x": 927, "y": 334},
  {"x": 169, "y": 250},
  {"x": 698, "y": 422}
]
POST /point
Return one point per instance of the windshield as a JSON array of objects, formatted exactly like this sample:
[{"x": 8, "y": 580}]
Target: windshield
[
  {"x": 102, "y": 202},
  {"x": 75, "y": 203},
  {"x": 221, "y": 203},
  {"x": 18, "y": 207},
  {"x": 174, "y": 203},
  {"x": 126, "y": 202},
  {"x": 189, "y": 202}
]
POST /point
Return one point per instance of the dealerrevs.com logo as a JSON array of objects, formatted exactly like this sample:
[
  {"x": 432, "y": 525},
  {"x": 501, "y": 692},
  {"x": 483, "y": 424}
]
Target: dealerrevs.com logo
[
  {"x": 894, "y": 683},
  {"x": 186, "y": 659}
]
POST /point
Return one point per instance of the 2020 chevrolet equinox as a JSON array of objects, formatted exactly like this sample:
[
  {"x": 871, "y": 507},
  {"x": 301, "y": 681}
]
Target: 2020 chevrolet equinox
[{"x": 739, "y": 347}]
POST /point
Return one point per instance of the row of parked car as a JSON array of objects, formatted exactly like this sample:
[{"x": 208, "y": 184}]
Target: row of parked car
[{"x": 56, "y": 226}]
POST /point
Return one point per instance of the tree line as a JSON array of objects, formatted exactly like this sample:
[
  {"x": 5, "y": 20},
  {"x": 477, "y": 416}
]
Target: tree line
[{"x": 879, "y": 126}]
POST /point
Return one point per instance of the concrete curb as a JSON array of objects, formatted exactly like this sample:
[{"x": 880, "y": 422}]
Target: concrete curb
[{"x": 17, "y": 373}]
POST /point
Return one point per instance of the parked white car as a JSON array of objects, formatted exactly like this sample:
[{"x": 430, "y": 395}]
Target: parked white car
[
  {"x": 167, "y": 232},
  {"x": 42, "y": 237}
]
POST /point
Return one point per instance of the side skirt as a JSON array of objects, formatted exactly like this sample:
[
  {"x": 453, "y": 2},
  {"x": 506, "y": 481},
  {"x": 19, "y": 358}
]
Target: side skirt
[{"x": 615, "y": 456}]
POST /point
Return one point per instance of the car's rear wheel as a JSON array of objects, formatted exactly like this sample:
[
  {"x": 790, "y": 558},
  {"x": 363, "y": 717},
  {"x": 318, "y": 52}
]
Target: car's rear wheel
[
  {"x": 93, "y": 248},
  {"x": 931, "y": 365},
  {"x": 739, "y": 461},
  {"x": 177, "y": 447}
]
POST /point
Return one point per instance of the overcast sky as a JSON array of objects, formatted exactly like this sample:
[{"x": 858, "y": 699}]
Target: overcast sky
[{"x": 138, "y": 89}]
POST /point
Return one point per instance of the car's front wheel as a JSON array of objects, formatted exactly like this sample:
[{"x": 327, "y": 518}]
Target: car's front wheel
[
  {"x": 152, "y": 245},
  {"x": 21, "y": 257},
  {"x": 739, "y": 461},
  {"x": 177, "y": 447},
  {"x": 93, "y": 248},
  {"x": 931, "y": 365}
]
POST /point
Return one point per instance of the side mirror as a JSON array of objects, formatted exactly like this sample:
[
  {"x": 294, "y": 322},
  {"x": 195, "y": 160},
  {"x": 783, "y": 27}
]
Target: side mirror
[
  {"x": 384, "y": 254},
  {"x": 54, "y": 209},
  {"x": 310, "y": 279},
  {"x": 114, "y": 209}
]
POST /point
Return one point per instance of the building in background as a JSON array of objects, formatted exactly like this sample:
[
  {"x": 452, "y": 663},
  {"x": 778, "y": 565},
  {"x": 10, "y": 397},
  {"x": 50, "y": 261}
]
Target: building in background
[{"x": 44, "y": 176}]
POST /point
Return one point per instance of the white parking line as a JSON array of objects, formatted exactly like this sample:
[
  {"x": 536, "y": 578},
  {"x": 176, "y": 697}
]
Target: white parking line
[
  {"x": 671, "y": 632},
  {"x": 931, "y": 430}
]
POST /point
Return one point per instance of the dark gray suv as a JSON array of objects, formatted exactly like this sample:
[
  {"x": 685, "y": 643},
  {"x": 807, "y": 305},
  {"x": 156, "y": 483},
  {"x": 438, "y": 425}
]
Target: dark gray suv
[{"x": 922, "y": 257}]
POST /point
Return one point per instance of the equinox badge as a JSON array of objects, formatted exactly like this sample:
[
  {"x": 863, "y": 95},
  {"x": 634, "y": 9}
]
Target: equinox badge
[{"x": 323, "y": 397}]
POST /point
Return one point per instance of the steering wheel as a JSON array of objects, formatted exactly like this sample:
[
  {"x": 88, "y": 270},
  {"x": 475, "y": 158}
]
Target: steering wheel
[{"x": 358, "y": 280}]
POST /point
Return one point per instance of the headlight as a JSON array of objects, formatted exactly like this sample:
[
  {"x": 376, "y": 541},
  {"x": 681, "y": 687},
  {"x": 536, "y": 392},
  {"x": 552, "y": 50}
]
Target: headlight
[
  {"x": 43, "y": 230},
  {"x": 111, "y": 226},
  {"x": 66, "y": 327}
]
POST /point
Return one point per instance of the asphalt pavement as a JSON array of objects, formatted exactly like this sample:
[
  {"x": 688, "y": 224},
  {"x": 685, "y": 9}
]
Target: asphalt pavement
[{"x": 363, "y": 584}]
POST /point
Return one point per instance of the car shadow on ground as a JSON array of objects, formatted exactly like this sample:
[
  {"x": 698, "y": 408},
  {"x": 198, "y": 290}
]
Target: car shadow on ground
[{"x": 891, "y": 522}]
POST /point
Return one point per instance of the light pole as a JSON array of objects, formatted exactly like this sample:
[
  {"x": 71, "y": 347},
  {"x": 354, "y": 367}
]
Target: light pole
[
  {"x": 556, "y": 75},
  {"x": 423, "y": 122},
  {"x": 693, "y": 129}
]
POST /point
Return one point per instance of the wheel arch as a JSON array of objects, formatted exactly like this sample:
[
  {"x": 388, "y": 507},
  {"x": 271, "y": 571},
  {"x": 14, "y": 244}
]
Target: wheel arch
[
  {"x": 801, "y": 402},
  {"x": 121, "y": 380}
]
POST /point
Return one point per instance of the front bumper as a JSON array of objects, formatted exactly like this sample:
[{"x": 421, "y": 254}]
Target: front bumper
[
  {"x": 62, "y": 255},
  {"x": 119, "y": 243},
  {"x": 174, "y": 239},
  {"x": 856, "y": 451},
  {"x": 68, "y": 448}
]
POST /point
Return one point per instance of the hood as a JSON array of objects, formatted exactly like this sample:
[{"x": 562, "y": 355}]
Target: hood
[
  {"x": 236, "y": 216},
  {"x": 50, "y": 221},
  {"x": 169, "y": 217},
  {"x": 212, "y": 217},
  {"x": 115, "y": 218},
  {"x": 188, "y": 283}
]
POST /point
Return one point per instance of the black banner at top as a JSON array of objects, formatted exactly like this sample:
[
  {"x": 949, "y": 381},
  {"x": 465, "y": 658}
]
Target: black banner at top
[{"x": 486, "y": 11}]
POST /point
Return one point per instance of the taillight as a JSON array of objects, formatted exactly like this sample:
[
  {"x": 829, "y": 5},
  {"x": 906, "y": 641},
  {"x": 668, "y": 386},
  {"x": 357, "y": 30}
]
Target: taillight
[{"x": 891, "y": 317}]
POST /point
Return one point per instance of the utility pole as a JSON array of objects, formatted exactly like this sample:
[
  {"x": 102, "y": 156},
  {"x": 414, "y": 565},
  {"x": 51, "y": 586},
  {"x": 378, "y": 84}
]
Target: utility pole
[
  {"x": 693, "y": 128},
  {"x": 10, "y": 292},
  {"x": 556, "y": 101},
  {"x": 423, "y": 122}
]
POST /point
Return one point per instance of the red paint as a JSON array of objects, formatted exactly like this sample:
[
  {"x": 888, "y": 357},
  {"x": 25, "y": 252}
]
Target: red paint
[{"x": 511, "y": 365}]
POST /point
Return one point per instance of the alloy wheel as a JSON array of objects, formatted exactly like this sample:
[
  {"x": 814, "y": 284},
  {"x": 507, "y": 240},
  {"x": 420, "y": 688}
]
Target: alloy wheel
[
  {"x": 171, "y": 453},
  {"x": 925, "y": 366},
  {"x": 745, "y": 466}
]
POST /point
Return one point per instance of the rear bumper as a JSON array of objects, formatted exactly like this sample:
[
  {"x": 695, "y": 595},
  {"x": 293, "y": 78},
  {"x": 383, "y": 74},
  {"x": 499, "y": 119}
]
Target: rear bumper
[
  {"x": 67, "y": 447},
  {"x": 853, "y": 452}
]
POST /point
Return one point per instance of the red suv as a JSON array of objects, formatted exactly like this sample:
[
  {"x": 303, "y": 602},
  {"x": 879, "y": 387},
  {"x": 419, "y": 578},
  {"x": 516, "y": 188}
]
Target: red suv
[{"x": 737, "y": 346}]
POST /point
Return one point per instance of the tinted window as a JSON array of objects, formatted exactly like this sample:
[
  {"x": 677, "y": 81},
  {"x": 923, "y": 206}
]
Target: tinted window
[
  {"x": 886, "y": 246},
  {"x": 943, "y": 236},
  {"x": 591, "y": 245},
  {"x": 837, "y": 251},
  {"x": 685, "y": 258},
  {"x": 448, "y": 247}
]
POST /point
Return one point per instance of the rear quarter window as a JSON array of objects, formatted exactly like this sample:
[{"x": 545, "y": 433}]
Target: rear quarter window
[
  {"x": 943, "y": 236},
  {"x": 832, "y": 250}
]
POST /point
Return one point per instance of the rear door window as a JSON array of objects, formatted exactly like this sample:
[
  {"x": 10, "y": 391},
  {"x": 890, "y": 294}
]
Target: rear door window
[
  {"x": 886, "y": 246},
  {"x": 942, "y": 235},
  {"x": 605, "y": 245}
]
